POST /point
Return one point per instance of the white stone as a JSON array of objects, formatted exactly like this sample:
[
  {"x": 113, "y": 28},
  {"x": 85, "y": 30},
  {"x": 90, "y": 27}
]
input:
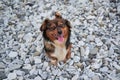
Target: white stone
[
  {"x": 12, "y": 54},
  {"x": 118, "y": 8},
  {"x": 116, "y": 65},
  {"x": 90, "y": 37},
  {"x": 82, "y": 51},
  {"x": 83, "y": 1},
  {"x": 87, "y": 51},
  {"x": 55, "y": 72},
  {"x": 85, "y": 77},
  {"x": 44, "y": 75},
  {"x": 37, "y": 59},
  {"x": 27, "y": 66},
  {"x": 72, "y": 54},
  {"x": 21, "y": 35},
  {"x": 19, "y": 72},
  {"x": 39, "y": 48},
  {"x": 94, "y": 50},
  {"x": 45, "y": 64},
  {"x": 23, "y": 55},
  {"x": 12, "y": 76},
  {"x": 28, "y": 37},
  {"x": 40, "y": 72},
  {"x": 98, "y": 42},
  {"x": 61, "y": 78},
  {"x": 33, "y": 71},
  {"x": 95, "y": 77},
  {"x": 77, "y": 22},
  {"x": 2, "y": 65},
  {"x": 90, "y": 17},
  {"x": 20, "y": 78},
  {"x": 38, "y": 78},
  {"x": 27, "y": 61},
  {"x": 76, "y": 59},
  {"x": 71, "y": 62},
  {"x": 48, "y": 5},
  {"x": 100, "y": 19},
  {"x": 104, "y": 69},
  {"x": 97, "y": 64},
  {"x": 73, "y": 40},
  {"x": 75, "y": 77},
  {"x": 81, "y": 43}
]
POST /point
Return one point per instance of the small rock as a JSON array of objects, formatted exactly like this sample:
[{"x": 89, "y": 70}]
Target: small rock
[
  {"x": 39, "y": 48},
  {"x": 27, "y": 61},
  {"x": 37, "y": 60},
  {"x": 75, "y": 77},
  {"x": 19, "y": 72},
  {"x": 20, "y": 78},
  {"x": 12, "y": 54},
  {"x": 12, "y": 76},
  {"x": 82, "y": 51},
  {"x": 118, "y": 8},
  {"x": 98, "y": 42},
  {"x": 104, "y": 69},
  {"x": 2, "y": 65},
  {"x": 94, "y": 50},
  {"x": 31, "y": 76},
  {"x": 16, "y": 64},
  {"x": 95, "y": 77},
  {"x": 61, "y": 78},
  {"x": 28, "y": 37},
  {"x": 87, "y": 51},
  {"x": 71, "y": 62},
  {"x": 44, "y": 75},
  {"x": 90, "y": 17},
  {"x": 77, "y": 22},
  {"x": 81, "y": 43},
  {"x": 33, "y": 71},
  {"x": 2, "y": 75},
  {"x": 36, "y": 53},
  {"x": 84, "y": 77},
  {"x": 90, "y": 38},
  {"x": 97, "y": 64},
  {"x": 27, "y": 66},
  {"x": 100, "y": 20},
  {"x": 79, "y": 65},
  {"x": 55, "y": 72},
  {"x": 76, "y": 59},
  {"x": 23, "y": 55},
  {"x": 38, "y": 78},
  {"x": 116, "y": 65},
  {"x": 45, "y": 64}
]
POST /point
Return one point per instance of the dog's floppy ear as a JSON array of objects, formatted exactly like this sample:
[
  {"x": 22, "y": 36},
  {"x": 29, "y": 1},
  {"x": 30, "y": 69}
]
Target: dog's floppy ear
[
  {"x": 44, "y": 24},
  {"x": 67, "y": 23},
  {"x": 57, "y": 15}
]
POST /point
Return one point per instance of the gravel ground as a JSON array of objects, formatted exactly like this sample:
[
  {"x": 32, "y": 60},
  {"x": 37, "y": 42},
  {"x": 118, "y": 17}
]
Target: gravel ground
[{"x": 95, "y": 39}]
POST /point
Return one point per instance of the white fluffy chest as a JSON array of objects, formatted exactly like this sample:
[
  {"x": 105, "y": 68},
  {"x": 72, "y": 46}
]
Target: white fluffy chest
[{"x": 60, "y": 52}]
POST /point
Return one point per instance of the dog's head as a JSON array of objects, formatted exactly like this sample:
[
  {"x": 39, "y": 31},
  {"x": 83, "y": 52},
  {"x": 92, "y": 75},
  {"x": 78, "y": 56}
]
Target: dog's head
[{"x": 56, "y": 30}]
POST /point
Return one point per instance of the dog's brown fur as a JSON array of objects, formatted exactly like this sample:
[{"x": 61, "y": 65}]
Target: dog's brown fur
[{"x": 56, "y": 35}]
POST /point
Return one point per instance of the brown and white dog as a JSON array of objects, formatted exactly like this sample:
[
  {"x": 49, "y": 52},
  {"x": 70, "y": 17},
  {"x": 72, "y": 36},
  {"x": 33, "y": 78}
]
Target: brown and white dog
[{"x": 56, "y": 33}]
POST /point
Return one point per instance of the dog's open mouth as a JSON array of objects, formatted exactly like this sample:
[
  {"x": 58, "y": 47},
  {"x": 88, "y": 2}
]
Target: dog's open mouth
[{"x": 60, "y": 38}]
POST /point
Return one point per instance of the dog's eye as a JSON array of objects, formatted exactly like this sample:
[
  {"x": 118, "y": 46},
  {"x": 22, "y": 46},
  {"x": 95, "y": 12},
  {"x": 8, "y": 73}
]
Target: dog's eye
[{"x": 52, "y": 28}]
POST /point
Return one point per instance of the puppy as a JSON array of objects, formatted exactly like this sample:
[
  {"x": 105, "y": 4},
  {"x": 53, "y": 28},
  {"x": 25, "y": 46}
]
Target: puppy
[{"x": 56, "y": 33}]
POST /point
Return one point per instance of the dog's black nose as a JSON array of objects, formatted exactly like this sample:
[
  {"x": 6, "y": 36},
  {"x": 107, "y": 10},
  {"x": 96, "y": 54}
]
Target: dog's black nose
[{"x": 59, "y": 31}]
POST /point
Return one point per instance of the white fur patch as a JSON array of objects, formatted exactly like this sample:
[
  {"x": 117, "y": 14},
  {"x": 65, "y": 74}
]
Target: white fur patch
[{"x": 60, "y": 51}]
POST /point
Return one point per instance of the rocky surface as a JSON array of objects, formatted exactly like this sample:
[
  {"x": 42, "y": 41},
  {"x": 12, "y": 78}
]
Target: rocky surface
[{"x": 95, "y": 39}]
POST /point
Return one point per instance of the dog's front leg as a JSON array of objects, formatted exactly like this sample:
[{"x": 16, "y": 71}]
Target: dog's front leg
[{"x": 68, "y": 53}]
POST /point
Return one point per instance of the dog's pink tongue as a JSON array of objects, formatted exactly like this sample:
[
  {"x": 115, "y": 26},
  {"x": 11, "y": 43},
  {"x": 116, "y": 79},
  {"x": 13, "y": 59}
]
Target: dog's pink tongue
[{"x": 60, "y": 38}]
